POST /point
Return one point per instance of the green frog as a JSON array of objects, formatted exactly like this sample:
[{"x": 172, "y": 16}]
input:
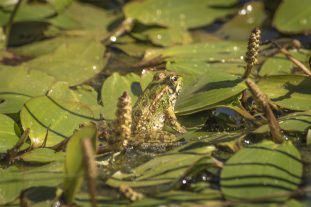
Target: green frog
[{"x": 153, "y": 110}]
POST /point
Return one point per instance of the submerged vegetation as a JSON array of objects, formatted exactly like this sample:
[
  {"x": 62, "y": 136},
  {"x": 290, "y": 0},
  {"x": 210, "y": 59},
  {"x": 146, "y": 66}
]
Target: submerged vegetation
[{"x": 86, "y": 87}]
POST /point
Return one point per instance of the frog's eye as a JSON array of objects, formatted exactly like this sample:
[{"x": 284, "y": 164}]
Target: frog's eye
[{"x": 174, "y": 78}]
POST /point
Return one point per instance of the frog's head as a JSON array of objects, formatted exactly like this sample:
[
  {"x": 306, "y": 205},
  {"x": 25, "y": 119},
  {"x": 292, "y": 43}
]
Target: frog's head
[{"x": 175, "y": 82}]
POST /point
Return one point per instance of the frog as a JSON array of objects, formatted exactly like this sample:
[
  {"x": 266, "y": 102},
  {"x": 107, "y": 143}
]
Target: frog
[{"x": 153, "y": 110}]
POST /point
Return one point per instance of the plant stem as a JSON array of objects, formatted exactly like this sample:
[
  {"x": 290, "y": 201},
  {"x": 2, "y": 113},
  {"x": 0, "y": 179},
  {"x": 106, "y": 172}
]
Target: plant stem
[{"x": 10, "y": 22}]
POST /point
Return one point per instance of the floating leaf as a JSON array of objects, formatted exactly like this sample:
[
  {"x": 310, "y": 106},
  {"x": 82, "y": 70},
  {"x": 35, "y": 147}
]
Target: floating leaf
[
  {"x": 294, "y": 122},
  {"x": 27, "y": 12},
  {"x": 293, "y": 17},
  {"x": 74, "y": 160},
  {"x": 17, "y": 85},
  {"x": 280, "y": 65},
  {"x": 206, "y": 89},
  {"x": 116, "y": 84},
  {"x": 75, "y": 18},
  {"x": 250, "y": 16},
  {"x": 168, "y": 36},
  {"x": 9, "y": 133},
  {"x": 42, "y": 155},
  {"x": 178, "y": 13},
  {"x": 14, "y": 180},
  {"x": 73, "y": 61},
  {"x": 165, "y": 169},
  {"x": 224, "y": 51},
  {"x": 59, "y": 113},
  {"x": 288, "y": 91},
  {"x": 59, "y": 5},
  {"x": 262, "y": 170}
]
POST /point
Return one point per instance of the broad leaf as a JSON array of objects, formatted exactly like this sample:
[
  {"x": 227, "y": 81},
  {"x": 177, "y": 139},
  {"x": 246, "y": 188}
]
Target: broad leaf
[
  {"x": 43, "y": 155},
  {"x": 165, "y": 169},
  {"x": 293, "y": 17},
  {"x": 73, "y": 62},
  {"x": 74, "y": 160},
  {"x": 260, "y": 170},
  {"x": 59, "y": 114},
  {"x": 292, "y": 123},
  {"x": 17, "y": 85},
  {"x": 14, "y": 180},
  {"x": 9, "y": 133},
  {"x": 288, "y": 91},
  {"x": 178, "y": 13}
]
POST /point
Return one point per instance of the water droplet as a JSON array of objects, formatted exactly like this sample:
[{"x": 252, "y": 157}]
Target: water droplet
[
  {"x": 159, "y": 37},
  {"x": 242, "y": 57},
  {"x": 223, "y": 60},
  {"x": 242, "y": 12},
  {"x": 249, "y": 8},
  {"x": 94, "y": 67},
  {"x": 113, "y": 38},
  {"x": 303, "y": 21},
  {"x": 235, "y": 48}
]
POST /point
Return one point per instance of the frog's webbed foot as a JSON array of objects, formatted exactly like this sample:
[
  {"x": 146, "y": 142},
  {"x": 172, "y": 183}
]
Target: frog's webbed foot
[{"x": 173, "y": 122}]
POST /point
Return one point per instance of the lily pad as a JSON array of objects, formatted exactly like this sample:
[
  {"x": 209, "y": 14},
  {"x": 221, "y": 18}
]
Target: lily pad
[
  {"x": 74, "y": 167},
  {"x": 114, "y": 87},
  {"x": 165, "y": 169},
  {"x": 288, "y": 91},
  {"x": 260, "y": 170},
  {"x": 178, "y": 13},
  {"x": 17, "y": 85},
  {"x": 9, "y": 133},
  {"x": 59, "y": 113},
  {"x": 73, "y": 61},
  {"x": 293, "y": 17},
  {"x": 294, "y": 122}
]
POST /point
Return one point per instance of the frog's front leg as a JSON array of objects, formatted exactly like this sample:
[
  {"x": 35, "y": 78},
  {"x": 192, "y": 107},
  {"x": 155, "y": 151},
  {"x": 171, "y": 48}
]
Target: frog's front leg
[{"x": 171, "y": 119}]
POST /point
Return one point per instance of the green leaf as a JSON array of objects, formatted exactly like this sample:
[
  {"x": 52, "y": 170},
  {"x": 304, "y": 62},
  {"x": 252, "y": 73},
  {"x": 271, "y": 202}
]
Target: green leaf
[
  {"x": 178, "y": 13},
  {"x": 27, "y": 12},
  {"x": 294, "y": 122},
  {"x": 179, "y": 197},
  {"x": 251, "y": 15},
  {"x": 168, "y": 36},
  {"x": 288, "y": 91},
  {"x": 60, "y": 5},
  {"x": 207, "y": 87},
  {"x": 73, "y": 62},
  {"x": 293, "y": 17},
  {"x": 280, "y": 65},
  {"x": 42, "y": 155},
  {"x": 14, "y": 180},
  {"x": 59, "y": 113},
  {"x": 74, "y": 167},
  {"x": 9, "y": 133},
  {"x": 260, "y": 170},
  {"x": 17, "y": 85},
  {"x": 165, "y": 169},
  {"x": 114, "y": 87},
  {"x": 214, "y": 51},
  {"x": 84, "y": 16}
]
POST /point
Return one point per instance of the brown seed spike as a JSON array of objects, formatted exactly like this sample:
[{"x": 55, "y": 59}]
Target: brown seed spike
[
  {"x": 124, "y": 117},
  {"x": 252, "y": 51},
  {"x": 264, "y": 100}
]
